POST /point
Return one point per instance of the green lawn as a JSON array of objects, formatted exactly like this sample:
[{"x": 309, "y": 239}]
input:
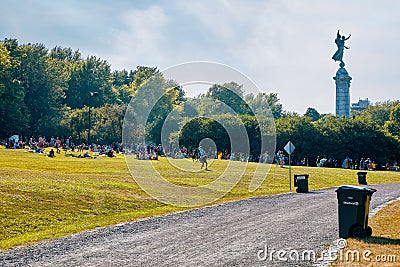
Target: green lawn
[{"x": 45, "y": 197}]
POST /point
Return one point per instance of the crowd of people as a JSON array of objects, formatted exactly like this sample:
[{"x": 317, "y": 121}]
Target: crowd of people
[
  {"x": 39, "y": 144},
  {"x": 153, "y": 152},
  {"x": 361, "y": 164}
]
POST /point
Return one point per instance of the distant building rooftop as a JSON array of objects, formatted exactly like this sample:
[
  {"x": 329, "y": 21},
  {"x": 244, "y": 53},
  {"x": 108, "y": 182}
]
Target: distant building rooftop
[{"x": 360, "y": 105}]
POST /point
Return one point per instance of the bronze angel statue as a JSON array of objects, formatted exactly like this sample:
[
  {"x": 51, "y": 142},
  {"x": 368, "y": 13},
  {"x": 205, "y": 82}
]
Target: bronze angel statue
[{"x": 339, "y": 41}]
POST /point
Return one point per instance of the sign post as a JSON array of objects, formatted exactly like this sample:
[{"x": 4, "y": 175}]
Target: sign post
[{"x": 289, "y": 148}]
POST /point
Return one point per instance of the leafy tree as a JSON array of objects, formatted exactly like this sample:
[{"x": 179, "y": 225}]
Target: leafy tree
[
  {"x": 254, "y": 135},
  {"x": 57, "y": 74},
  {"x": 141, "y": 75},
  {"x": 65, "y": 55},
  {"x": 189, "y": 108},
  {"x": 121, "y": 78},
  {"x": 313, "y": 114},
  {"x": 356, "y": 138},
  {"x": 75, "y": 124},
  {"x": 223, "y": 129},
  {"x": 302, "y": 133},
  {"x": 91, "y": 75},
  {"x": 290, "y": 114},
  {"x": 379, "y": 112},
  {"x": 123, "y": 94},
  {"x": 265, "y": 104},
  {"x": 150, "y": 106},
  {"x": 275, "y": 106},
  {"x": 32, "y": 73},
  {"x": 44, "y": 84},
  {"x": 107, "y": 123},
  {"x": 200, "y": 128},
  {"x": 13, "y": 117},
  {"x": 393, "y": 124},
  {"x": 231, "y": 94}
]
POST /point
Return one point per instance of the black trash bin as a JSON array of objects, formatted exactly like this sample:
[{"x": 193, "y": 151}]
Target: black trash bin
[
  {"x": 353, "y": 204},
  {"x": 362, "y": 178},
  {"x": 301, "y": 182}
]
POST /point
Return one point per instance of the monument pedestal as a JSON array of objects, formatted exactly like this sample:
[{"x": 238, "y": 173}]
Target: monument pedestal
[{"x": 342, "y": 80}]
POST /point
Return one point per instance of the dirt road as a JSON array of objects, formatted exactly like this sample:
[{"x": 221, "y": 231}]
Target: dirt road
[{"x": 242, "y": 233}]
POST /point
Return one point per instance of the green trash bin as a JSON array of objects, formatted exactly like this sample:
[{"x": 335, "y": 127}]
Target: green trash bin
[
  {"x": 353, "y": 202},
  {"x": 362, "y": 178},
  {"x": 301, "y": 182}
]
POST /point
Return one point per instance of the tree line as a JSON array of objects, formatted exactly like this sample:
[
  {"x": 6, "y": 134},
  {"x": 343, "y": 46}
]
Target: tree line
[{"x": 48, "y": 92}]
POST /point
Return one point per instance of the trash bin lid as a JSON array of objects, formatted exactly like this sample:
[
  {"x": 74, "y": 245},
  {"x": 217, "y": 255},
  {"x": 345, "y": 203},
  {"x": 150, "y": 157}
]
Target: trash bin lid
[{"x": 356, "y": 188}]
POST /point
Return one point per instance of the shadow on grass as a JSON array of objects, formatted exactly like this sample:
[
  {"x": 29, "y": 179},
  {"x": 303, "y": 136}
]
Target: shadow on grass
[{"x": 381, "y": 240}]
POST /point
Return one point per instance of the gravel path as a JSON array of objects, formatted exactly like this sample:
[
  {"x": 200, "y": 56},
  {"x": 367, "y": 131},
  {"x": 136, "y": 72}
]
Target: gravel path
[{"x": 232, "y": 234}]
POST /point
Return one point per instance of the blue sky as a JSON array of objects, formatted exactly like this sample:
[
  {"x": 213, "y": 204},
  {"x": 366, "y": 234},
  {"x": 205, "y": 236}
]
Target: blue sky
[{"x": 283, "y": 46}]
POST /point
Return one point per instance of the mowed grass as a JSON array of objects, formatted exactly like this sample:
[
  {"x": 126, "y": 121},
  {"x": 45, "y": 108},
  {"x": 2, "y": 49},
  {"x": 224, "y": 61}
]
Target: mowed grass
[
  {"x": 382, "y": 248},
  {"x": 44, "y": 197}
]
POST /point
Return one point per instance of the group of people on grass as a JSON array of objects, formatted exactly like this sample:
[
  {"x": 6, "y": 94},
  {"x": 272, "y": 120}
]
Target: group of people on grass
[
  {"x": 144, "y": 151},
  {"x": 56, "y": 144},
  {"x": 362, "y": 164},
  {"x": 153, "y": 152}
]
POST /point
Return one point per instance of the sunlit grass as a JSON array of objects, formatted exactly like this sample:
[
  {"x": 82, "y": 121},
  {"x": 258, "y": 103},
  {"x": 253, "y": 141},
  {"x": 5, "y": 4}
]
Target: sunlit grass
[{"x": 44, "y": 197}]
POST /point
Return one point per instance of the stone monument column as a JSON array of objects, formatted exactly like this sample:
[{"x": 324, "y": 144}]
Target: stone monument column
[{"x": 342, "y": 80}]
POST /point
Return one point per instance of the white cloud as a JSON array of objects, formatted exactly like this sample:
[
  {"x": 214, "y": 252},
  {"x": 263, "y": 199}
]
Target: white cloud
[
  {"x": 284, "y": 46},
  {"x": 140, "y": 39}
]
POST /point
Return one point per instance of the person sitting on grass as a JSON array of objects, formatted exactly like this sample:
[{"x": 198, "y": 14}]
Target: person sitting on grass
[
  {"x": 110, "y": 153},
  {"x": 153, "y": 157},
  {"x": 51, "y": 154},
  {"x": 38, "y": 150}
]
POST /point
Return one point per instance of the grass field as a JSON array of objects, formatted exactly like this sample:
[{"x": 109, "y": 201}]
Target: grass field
[
  {"x": 383, "y": 247},
  {"x": 44, "y": 197}
]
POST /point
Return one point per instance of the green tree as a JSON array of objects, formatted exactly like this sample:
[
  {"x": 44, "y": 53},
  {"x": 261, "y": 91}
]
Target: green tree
[
  {"x": 121, "y": 78},
  {"x": 313, "y": 114},
  {"x": 254, "y": 135},
  {"x": 200, "y": 128},
  {"x": 90, "y": 75},
  {"x": 66, "y": 55},
  {"x": 141, "y": 75},
  {"x": 378, "y": 113},
  {"x": 150, "y": 106},
  {"x": 107, "y": 123},
  {"x": 43, "y": 81},
  {"x": 392, "y": 126},
  {"x": 32, "y": 73},
  {"x": 275, "y": 106},
  {"x": 231, "y": 94},
  {"x": 264, "y": 103},
  {"x": 75, "y": 124},
  {"x": 356, "y": 138},
  {"x": 13, "y": 117},
  {"x": 302, "y": 133}
]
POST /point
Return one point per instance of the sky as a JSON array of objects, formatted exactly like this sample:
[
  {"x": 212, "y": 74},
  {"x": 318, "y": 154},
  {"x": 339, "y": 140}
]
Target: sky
[{"x": 283, "y": 46}]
